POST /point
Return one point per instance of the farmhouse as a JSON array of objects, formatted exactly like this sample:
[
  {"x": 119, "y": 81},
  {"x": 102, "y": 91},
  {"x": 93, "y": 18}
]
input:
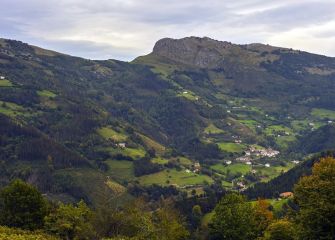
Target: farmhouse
[
  {"x": 121, "y": 145},
  {"x": 197, "y": 167},
  {"x": 286, "y": 194},
  {"x": 243, "y": 159}
]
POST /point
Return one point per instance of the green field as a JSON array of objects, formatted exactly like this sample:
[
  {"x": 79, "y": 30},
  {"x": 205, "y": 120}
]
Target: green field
[
  {"x": 159, "y": 148},
  {"x": 189, "y": 95},
  {"x": 278, "y": 204},
  {"x": 11, "y": 109},
  {"x": 5, "y": 83},
  {"x": 323, "y": 113},
  {"x": 159, "y": 160},
  {"x": 109, "y": 133},
  {"x": 275, "y": 129},
  {"x": 300, "y": 125},
  {"x": 212, "y": 129},
  {"x": 180, "y": 178},
  {"x": 46, "y": 93},
  {"x": 131, "y": 152},
  {"x": 285, "y": 141},
  {"x": 120, "y": 170},
  {"x": 232, "y": 147},
  {"x": 95, "y": 184},
  {"x": 185, "y": 161},
  {"x": 233, "y": 168},
  {"x": 272, "y": 172},
  {"x": 252, "y": 124}
]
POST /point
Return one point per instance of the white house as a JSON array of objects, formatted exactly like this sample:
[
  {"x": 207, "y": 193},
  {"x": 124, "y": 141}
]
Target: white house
[
  {"x": 2, "y": 77},
  {"x": 267, "y": 165},
  {"x": 121, "y": 145}
]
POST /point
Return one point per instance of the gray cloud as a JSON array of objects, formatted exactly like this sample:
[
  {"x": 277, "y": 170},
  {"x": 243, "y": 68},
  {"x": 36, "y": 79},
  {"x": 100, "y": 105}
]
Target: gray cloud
[{"x": 124, "y": 29}]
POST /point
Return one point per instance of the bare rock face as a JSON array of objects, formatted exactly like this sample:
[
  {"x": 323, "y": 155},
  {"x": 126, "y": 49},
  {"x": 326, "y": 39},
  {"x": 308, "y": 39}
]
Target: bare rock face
[{"x": 201, "y": 52}]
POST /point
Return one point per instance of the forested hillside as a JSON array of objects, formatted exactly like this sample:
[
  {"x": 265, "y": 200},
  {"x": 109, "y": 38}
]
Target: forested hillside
[{"x": 196, "y": 115}]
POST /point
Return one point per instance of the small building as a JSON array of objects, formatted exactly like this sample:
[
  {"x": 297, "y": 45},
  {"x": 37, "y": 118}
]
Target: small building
[
  {"x": 185, "y": 92},
  {"x": 267, "y": 165},
  {"x": 197, "y": 167},
  {"x": 228, "y": 162},
  {"x": 2, "y": 78},
  {"x": 248, "y": 163},
  {"x": 188, "y": 171},
  {"x": 121, "y": 145},
  {"x": 286, "y": 194}
]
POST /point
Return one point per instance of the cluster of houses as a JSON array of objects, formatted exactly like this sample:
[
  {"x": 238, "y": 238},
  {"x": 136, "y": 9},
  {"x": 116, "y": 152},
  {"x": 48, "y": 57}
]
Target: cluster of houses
[
  {"x": 253, "y": 152},
  {"x": 196, "y": 167}
]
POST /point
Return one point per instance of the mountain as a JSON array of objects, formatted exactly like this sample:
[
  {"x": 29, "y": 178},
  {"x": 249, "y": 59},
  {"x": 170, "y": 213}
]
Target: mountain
[{"x": 90, "y": 129}]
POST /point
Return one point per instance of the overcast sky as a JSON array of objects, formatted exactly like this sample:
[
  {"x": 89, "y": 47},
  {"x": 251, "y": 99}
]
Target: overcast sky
[{"x": 124, "y": 29}]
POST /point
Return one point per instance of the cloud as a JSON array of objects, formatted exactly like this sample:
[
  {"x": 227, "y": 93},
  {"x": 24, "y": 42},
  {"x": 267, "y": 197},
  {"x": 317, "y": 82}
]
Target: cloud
[{"x": 124, "y": 29}]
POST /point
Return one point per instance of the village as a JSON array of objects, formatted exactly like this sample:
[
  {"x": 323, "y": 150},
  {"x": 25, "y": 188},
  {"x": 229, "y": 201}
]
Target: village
[{"x": 252, "y": 153}]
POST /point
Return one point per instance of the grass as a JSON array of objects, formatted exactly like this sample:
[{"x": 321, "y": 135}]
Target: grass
[
  {"x": 159, "y": 160},
  {"x": 323, "y": 113},
  {"x": 5, "y": 83},
  {"x": 130, "y": 152},
  {"x": 160, "y": 149},
  {"x": 252, "y": 124},
  {"x": 120, "y": 170},
  {"x": 115, "y": 187},
  {"x": 232, "y": 147},
  {"x": 299, "y": 125},
  {"x": 172, "y": 176},
  {"x": 233, "y": 168},
  {"x": 212, "y": 129},
  {"x": 11, "y": 109},
  {"x": 189, "y": 95},
  {"x": 46, "y": 93},
  {"x": 278, "y": 204},
  {"x": 7, "y": 233},
  {"x": 272, "y": 172},
  {"x": 185, "y": 161},
  {"x": 108, "y": 133},
  {"x": 275, "y": 129},
  {"x": 94, "y": 184},
  {"x": 285, "y": 141},
  {"x": 207, "y": 218}
]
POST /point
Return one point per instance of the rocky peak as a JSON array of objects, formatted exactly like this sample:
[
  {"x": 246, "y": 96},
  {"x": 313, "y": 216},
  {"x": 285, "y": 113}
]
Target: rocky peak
[{"x": 201, "y": 52}]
